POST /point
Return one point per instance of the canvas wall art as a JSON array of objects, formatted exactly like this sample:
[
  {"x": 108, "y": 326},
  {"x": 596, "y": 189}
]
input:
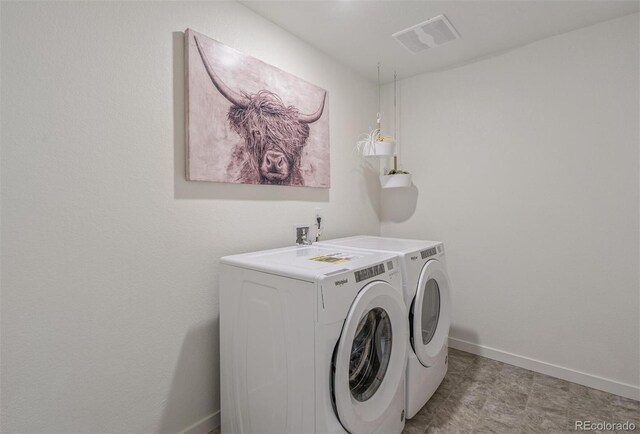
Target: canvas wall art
[{"x": 250, "y": 122}]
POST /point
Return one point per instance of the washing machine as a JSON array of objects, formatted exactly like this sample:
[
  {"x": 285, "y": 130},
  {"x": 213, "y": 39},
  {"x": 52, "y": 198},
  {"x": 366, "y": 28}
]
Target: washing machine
[
  {"x": 427, "y": 298},
  {"x": 312, "y": 340}
]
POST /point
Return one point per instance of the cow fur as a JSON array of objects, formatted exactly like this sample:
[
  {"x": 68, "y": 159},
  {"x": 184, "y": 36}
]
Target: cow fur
[{"x": 266, "y": 124}]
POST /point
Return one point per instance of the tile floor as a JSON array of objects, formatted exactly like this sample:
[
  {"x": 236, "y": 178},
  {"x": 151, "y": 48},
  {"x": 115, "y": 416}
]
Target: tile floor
[{"x": 481, "y": 395}]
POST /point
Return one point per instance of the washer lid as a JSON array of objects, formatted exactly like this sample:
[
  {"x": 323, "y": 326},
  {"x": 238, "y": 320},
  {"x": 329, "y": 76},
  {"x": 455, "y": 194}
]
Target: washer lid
[
  {"x": 370, "y": 358},
  {"x": 430, "y": 313}
]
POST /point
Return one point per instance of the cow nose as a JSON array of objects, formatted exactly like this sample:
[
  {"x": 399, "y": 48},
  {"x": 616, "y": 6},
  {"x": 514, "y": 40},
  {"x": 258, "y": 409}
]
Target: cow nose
[{"x": 275, "y": 161}]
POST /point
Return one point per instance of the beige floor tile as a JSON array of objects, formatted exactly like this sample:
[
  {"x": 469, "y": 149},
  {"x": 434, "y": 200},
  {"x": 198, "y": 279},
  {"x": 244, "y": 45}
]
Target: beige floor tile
[{"x": 492, "y": 397}]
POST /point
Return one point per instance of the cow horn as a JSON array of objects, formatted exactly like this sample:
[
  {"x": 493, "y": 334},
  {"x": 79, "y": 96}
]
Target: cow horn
[
  {"x": 309, "y": 119},
  {"x": 233, "y": 97}
]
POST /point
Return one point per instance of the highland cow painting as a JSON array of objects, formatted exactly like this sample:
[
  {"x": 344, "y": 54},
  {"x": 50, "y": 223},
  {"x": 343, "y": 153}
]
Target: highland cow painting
[{"x": 250, "y": 122}]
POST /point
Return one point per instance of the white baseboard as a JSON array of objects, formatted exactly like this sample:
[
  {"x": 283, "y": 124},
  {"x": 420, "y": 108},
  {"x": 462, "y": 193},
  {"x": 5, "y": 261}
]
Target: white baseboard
[
  {"x": 204, "y": 425},
  {"x": 589, "y": 380}
]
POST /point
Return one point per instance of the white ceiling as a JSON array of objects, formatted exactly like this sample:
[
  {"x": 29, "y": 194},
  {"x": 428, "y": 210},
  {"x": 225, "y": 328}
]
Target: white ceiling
[{"x": 358, "y": 33}]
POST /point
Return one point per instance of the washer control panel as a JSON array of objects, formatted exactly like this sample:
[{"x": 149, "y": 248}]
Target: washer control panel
[
  {"x": 428, "y": 253},
  {"x": 368, "y": 273}
]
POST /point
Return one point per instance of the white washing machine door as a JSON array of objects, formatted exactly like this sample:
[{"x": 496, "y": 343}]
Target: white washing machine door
[
  {"x": 430, "y": 315},
  {"x": 370, "y": 358}
]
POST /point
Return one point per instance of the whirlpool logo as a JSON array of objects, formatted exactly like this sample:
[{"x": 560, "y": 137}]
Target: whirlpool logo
[{"x": 341, "y": 282}]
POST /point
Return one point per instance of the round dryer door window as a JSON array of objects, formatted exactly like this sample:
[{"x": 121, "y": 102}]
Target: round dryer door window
[
  {"x": 430, "y": 315},
  {"x": 430, "y": 310},
  {"x": 370, "y": 354},
  {"x": 370, "y": 357}
]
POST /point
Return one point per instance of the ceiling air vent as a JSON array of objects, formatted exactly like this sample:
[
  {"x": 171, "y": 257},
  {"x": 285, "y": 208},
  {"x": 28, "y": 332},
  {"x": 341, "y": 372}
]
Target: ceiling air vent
[{"x": 432, "y": 33}]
